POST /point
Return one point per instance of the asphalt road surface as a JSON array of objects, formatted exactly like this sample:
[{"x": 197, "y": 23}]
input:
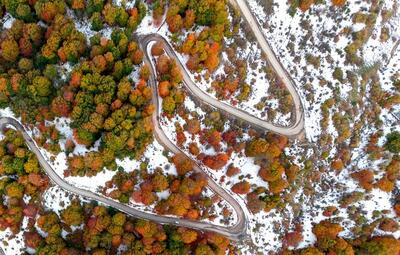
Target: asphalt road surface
[
  {"x": 239, "y": 230},
  {"x": 56, "y": 179}
]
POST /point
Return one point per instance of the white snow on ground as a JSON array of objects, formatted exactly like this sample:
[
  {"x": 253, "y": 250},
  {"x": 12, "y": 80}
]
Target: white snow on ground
[
  {"x": 285, "y": 26},
  {"x": 7, "y": 21},
  {"x": 259, "y": 90},
  {"x": 125, "y": 3},
  {"x": 280, "y": 30},
  {"x": 10, "y": 243}
]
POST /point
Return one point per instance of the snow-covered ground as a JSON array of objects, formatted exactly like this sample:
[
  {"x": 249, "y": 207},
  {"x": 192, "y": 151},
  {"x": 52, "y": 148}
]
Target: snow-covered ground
[
  {"x": 292, "y": 44},
  {"x": 282, "y": 29},
  {"x": 255, "y": 75}
]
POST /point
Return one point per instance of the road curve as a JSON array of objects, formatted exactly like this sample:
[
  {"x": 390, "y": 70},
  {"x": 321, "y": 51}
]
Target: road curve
[
  {"x": 292, "y": 131},
  {"x": 296, "y": 128},
  {"x": 235, "y": 233}
]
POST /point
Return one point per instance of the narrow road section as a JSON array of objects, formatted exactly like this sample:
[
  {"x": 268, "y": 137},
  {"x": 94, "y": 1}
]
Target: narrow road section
[
  {"x": 239, "y": 230},
  {"x": 235, "y": 233},
  {"x": 296, "y": 128}
]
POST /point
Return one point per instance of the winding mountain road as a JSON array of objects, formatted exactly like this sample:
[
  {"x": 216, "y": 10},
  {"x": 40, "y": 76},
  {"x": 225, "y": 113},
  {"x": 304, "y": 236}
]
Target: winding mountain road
[
  {"x": 239, "y": 230},
  {"x": 296, "y": 128}
]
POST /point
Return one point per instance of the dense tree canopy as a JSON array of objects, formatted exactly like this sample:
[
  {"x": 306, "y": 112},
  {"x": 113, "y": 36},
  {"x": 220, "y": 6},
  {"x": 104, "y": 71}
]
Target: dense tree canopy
[
  {"x": 90, "y": 228},
  {"x": 104, "y": 232},
  {"x": 98, "y": 96},
  {"x": 22, "y": 176},
  {"x": 393, "y": 142},
  {"x": 328, "y": 242}
]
